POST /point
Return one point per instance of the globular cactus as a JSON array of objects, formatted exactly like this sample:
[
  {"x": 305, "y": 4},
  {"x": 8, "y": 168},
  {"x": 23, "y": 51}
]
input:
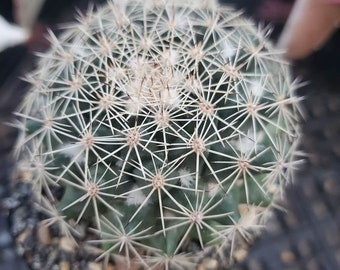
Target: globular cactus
[{"x": 163, "y": 126}]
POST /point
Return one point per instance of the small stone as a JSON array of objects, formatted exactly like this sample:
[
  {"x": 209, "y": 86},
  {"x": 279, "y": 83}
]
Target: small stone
[
  {"x": 240, "y": 254},
  {"x": 208, "y": 264},
  {"x": 24, "y": 189},
  {"x": 110, "y": 266},
  {"x": 95, "y": 266},
  {"x": 23, "y": 236},
  {"x": 66, "y": 244},
  {"x": 44, "y": 235},
  {"x": 11, "y": 203},
  {"x": 287, "y": 257},
  {"x": 64, "y": 265},
  {"x": 5, "y": 239},
  {"x": 330, "y": 184}
]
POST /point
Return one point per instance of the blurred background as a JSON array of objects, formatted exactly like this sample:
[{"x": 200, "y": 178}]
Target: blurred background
[{"x": 304, "y": 236}]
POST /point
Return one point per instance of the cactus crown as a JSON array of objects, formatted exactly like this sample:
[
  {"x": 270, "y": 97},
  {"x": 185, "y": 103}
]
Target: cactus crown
[{"x": 163, "y": 125}]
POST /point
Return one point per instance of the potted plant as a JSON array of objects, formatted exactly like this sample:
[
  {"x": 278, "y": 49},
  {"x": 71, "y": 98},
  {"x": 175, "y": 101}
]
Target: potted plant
[{"x": 162, "y": 129}]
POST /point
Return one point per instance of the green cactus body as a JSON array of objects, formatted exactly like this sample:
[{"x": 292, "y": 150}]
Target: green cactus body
[{"x": 159, "y": 122}]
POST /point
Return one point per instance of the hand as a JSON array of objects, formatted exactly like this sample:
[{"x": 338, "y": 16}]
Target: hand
[{"x": 309, "y": 25}]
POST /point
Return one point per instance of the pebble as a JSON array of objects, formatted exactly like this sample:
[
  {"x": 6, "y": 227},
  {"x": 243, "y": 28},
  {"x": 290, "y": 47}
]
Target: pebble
[
  {"x": 10, "y": 202},
  {"x": 64, "y": 265},
  {"x": 44, "y": 235},
  {"x": 9, "y": 259},
  {"x": 95, "y": 266},
  {"x": 287, "y": 256},
  {"x": 66, "y": 244},
  {"x": 240, "y": 254},
  {"x": 5, "y": 239},
  {"x": 208, "y": 264}
]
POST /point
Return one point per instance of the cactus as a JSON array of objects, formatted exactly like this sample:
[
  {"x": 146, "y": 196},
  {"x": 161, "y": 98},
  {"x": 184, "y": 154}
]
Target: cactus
[{"x": 162, "y": 126}]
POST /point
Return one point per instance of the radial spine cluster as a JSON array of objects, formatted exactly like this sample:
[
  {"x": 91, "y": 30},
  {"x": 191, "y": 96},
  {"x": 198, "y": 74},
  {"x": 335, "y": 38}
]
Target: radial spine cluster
[{"x": 163, "y": 124}]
